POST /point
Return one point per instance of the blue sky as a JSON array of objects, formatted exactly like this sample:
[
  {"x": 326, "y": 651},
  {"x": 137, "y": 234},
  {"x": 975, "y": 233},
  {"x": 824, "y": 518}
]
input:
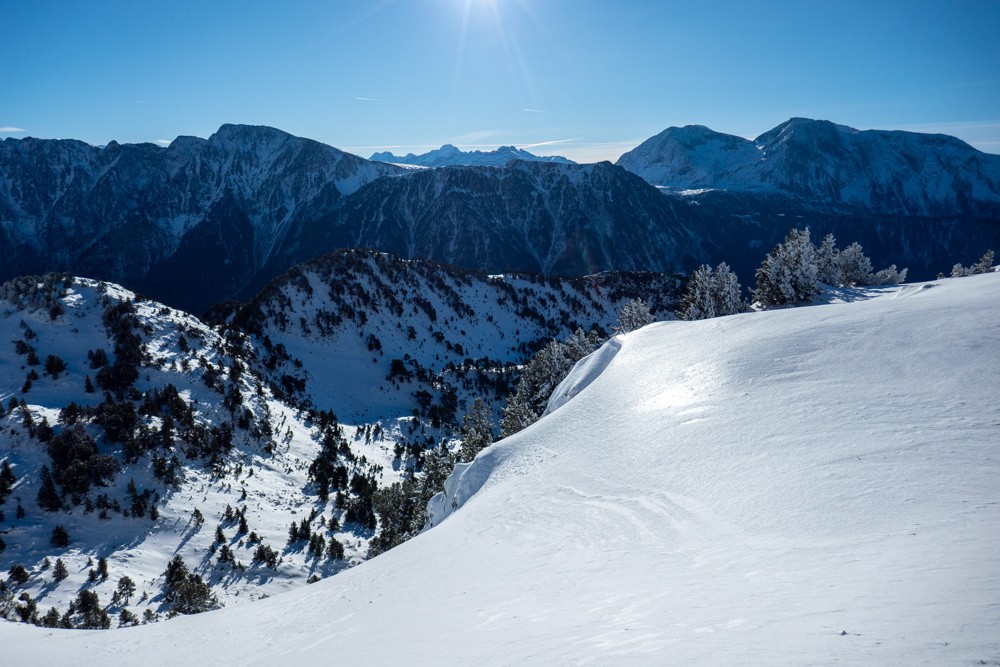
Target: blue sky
[{"x": 581, "y": 78}]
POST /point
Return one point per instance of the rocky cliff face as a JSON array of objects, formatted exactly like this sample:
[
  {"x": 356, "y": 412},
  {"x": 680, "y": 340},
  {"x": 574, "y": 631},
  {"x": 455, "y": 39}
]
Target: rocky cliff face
[
  {"x": 148, "y": 215},
  {"x": 550, "y": 218}
]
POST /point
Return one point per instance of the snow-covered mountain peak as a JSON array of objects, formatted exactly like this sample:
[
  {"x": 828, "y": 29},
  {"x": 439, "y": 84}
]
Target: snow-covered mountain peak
[
  {"x": 450, "y": 156},
  {"x": 829, "y": 167}
]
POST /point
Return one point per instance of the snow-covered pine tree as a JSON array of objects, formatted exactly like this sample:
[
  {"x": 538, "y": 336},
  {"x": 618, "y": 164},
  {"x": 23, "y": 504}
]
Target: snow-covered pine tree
[
  {"x": 985, "y": 263},
  {"x": 788, "y": 273},
  {"x": 476, "y": 431},
  {"x": 711, "y": 294},
  {"x": 827, "y": 266},
  {"x": 889, "y": 276},
  {"x": 634, "y": 314},
  {"x": 727, "y": 291},
  {"x": 854, "y": 267},
  {"x": 698, "y": 302}
]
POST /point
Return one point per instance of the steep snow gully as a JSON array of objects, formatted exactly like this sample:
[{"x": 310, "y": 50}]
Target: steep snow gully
[{"x": 811, "y": 485}]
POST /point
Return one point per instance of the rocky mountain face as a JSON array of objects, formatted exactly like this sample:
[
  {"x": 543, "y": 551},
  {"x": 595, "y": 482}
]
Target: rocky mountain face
[
  {"x": 451, "y": 156},
  {"x": 191, "y": 222},
  {"x": 525, "y": 216},
  {"x": 831, "y": 168}
]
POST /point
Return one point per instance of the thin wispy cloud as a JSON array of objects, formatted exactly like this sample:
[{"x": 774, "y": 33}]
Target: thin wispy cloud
[
  {"x": 548, "y": 143},
  {"x": 162, "y": 142},
  {"x": 533, "y": 110},
  {"x": 366, "y": 99},
  {"x": 10, "y": 129}
]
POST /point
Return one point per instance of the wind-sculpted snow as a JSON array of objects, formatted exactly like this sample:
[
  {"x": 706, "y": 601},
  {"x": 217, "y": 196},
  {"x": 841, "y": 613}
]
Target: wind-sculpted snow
[
  {"x": 810, "y": 485},
  {"x": 583, "y": 374}
]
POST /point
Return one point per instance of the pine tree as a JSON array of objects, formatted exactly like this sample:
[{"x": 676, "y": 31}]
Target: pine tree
[
  {"x": 126, "y": 589},
  {"x": 889, "y": 276},
  {"x": 711, "y": 294},
  {"x": 59, "y": 572},
  {"x": 59, "y": 537},
  {"x": 7, "y": 478},
  {"x": 634, "y": 314},
  {"x": 827, "y": 267},
  {"x": 698, "y": 302},
  {"x": 985, "y": 263},
  {"x": 187, "y": 591},
  {"x": 476, "y": 431},
  {"x": 48, "y": 496},
  {"x": 854, "y": 267},
  {"x": 788, "y": 273},
  {"x": 727, "y": 291},
  {"x": 335, "y": 549},
  {"x": 541, "y": 376}
]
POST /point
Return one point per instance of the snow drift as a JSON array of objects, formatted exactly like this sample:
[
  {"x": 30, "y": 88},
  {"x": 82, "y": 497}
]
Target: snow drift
[{"x": 798, "y": 486}]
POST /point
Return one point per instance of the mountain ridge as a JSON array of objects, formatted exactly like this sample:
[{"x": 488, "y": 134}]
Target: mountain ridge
[
  {"x": 825, "y": 165},
  {"x": 451, "y": 156}
]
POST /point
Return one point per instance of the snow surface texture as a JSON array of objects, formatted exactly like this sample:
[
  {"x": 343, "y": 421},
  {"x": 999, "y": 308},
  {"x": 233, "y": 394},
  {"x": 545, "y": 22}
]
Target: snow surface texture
[{"x": 789, "y": 487}]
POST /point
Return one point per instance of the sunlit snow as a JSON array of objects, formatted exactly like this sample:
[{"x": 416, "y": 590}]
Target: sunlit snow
[{"x": 834, "y": 501}]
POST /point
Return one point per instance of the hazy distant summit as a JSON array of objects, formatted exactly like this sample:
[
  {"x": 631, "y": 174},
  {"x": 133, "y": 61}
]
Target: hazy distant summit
[
  {"x": 828, "y": 166},
  {"x": 452, "y": 156}
]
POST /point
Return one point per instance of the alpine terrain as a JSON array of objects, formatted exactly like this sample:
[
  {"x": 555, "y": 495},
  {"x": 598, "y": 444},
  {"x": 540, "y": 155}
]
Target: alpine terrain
[
  {"x": 811, "y": 484},
  {"x": 263, "y": 451}
]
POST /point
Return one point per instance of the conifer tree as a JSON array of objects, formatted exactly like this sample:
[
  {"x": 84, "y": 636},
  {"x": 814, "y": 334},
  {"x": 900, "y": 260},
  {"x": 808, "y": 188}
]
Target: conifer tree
[
  {"x": 48, "y": 496},
  {"x": 788, "y": 273},
  {"x": 476, "y": 431},
  {"x": 634, "y": 314},
  {"x": 126, "y": 589},
  {"x": 59, "y": 572},
  {"x": 853, "y": 266},
  {"x": 59, "y": 537},
  {"x": 7, "y": 478},
  {"x": 827, "y": 267},
  {"x": 985, "y": 263}
]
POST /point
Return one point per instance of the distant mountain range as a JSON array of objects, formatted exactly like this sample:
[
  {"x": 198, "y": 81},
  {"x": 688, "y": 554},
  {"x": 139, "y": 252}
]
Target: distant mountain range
[
  {"x": 828, "y": 167},
  {"x": 206, "y": 220},
  {"x": 198, "y": 218},
  {"x": 450, "y": 156}
]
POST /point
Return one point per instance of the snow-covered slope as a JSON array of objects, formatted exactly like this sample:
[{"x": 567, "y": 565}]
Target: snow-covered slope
[
  {"x": 828, "y": 167},
  {"x": 451, "y": 156},
  {"x": 197, "y": 430},
  {"x": 812, "y": 485},
  {"x": 365, "y": 332}
]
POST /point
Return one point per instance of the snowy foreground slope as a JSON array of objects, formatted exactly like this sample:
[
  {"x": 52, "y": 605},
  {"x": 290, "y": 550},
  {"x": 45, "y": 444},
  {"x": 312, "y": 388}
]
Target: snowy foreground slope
[{"x": 812, "y": 485}]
